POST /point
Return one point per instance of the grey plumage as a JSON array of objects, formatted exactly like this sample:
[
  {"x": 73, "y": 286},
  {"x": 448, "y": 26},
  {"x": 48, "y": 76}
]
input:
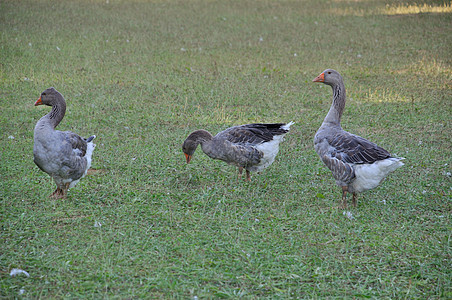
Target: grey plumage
[
  {"x": 356, "y": 163},
  {"x": 252, "y": 147},
  {"x": 64, "y": 155}
]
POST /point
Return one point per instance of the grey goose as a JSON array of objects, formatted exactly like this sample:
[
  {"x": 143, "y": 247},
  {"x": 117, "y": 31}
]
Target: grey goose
[
  {"x": 64, "y": 155},
  {"x": 356, "y": 163},
  {"x": 252, "y": 147}
]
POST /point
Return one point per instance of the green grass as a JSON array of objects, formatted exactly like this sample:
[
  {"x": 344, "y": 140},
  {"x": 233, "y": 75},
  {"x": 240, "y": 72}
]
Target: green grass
[{"x": 142, "y": 75}]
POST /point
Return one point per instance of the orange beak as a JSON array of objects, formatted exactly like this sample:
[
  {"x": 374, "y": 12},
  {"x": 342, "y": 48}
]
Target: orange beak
[
  {"x": 187, "y": 157},
  {"x": 38, "y": 102},
  {"x": 320, "y": 78}
]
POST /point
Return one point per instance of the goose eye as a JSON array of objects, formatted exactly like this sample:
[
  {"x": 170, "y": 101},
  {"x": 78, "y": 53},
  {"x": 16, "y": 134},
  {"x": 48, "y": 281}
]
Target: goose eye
[
  {"x": 43, "y": 94},
  {"x": 329, "y": 72}
]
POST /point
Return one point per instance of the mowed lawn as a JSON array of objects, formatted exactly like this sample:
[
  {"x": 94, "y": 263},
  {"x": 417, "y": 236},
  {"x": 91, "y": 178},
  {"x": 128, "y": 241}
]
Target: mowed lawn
[{"x": 142, "y": 75}]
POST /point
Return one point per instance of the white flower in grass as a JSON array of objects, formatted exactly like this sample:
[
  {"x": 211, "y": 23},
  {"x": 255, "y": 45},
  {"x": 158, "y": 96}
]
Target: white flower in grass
[
  {"x": 448, "y": 174},
  {"x": 97, "y": 224},
  {"x": 11, "y": 137},
  {"x": 183, "y": 49},
  {"x": 261, "y": 39},
  {"x": 247, "y": 254},
  {"x": 29, "y": 44},
  {"x": 58, "y": 48},
  {"x": 348, "y": 215},
  {"x": 15, "y": 272},
  {"x": 21, "y": 291},
  {"x": 295, "y": 55},
  {"x": 359, "y": 56},
  {"x": 256, "y": 220}
]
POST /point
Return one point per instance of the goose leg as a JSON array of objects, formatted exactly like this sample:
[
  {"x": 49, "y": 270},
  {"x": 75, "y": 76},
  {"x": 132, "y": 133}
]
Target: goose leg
[
  {"x": 65, "y": 189},
  {"x": 240, "y": 173},
  {"x": 354, "y": 199},
  {"x": 344, "y": 196},
  {"x": 248, "y": 176},
  {"x": 58, "y": 194}
]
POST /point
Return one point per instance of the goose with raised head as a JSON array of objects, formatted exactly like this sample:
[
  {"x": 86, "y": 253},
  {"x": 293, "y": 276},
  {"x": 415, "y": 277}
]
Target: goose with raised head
[
  {"x": 64, "y": 155},
  {"x": 356, "y": 163},
  {"x": 252, "y": 147}
]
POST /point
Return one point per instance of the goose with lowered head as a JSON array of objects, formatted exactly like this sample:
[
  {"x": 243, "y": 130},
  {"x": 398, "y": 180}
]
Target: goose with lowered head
[{"x": 252, "y": 147}]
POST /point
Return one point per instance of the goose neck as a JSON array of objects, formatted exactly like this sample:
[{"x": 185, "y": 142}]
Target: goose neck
[
  {"x": 201, "y": 136},
  {"x": 57, "y": 113},
  {"x": 337, "y": 107}
]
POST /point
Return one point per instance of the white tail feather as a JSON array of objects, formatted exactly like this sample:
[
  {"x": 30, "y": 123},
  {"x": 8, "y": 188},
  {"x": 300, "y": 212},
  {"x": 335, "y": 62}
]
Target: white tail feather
[
  {"x": 89, "y": 152},
  {"x": 270, "y": 150},
  {"x": 287, "y": 126},
  {"x": 369, "y": 176}
]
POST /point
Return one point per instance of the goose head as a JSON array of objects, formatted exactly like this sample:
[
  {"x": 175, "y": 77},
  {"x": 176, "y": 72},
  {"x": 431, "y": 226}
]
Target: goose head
[
  {"x": 189, "y": 148},
  {"x": 193, "y": 140},
  {"x": 330, "y": 77},
  {"x": 49, "y": 97}
]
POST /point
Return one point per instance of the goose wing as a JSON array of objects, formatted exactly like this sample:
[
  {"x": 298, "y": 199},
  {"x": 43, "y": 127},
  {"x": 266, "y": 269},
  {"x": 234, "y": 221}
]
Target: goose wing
[
  {"x": 253, "y": 134},
  {"x": 77, "y": 143},
  {"x": 73, "y": 154},
  {"x": 350, "y": 148}
]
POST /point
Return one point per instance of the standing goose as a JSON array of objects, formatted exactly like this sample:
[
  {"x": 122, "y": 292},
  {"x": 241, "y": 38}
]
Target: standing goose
[
  {"x": 357, "y": 164},
  {"x": 64, "y": 155},
  {"x": 252, "y": 147}
]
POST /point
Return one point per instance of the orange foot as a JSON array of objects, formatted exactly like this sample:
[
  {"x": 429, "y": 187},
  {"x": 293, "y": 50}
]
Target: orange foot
[{"x": 58, "y": 194}]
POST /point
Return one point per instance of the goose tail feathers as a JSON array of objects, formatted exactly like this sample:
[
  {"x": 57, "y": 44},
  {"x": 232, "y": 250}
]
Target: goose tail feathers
[
  {"x": 287, "y": 126},
  {"x": 90, "y": 138}
]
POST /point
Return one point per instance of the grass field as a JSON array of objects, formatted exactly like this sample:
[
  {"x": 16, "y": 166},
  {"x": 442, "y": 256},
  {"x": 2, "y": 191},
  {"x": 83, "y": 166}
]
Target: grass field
[{"x": 142, "y": 75}]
